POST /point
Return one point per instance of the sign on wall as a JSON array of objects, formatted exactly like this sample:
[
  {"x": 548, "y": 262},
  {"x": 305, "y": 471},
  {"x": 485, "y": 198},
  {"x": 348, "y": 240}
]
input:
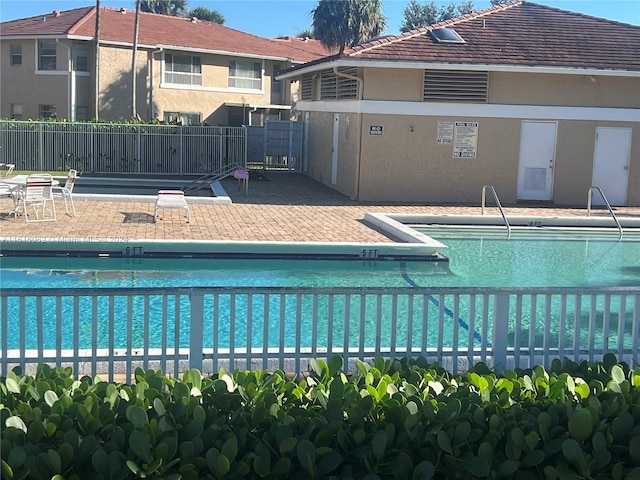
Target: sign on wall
[
  {"x": 375, "y": 130},
  {"x": 465, "y": 140},
  {"x": 445, "y": 133}
]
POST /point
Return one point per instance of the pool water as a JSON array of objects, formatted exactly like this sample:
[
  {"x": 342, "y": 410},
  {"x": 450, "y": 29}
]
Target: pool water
[{"x": 477, "y": 258}]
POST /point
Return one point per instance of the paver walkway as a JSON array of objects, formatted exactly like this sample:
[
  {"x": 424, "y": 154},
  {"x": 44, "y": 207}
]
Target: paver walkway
[{"x": 281, "y": 207}]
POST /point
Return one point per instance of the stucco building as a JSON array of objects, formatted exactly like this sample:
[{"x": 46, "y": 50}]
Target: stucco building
[
  {"x": 187, "y": 69},
  {"x": 539, "y": 102}
]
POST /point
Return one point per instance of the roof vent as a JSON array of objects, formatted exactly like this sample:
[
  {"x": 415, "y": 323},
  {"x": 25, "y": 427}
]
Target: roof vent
[
  {"x": 123, "y": 10},
  {"x": 446, "y": 35},
  {"x": 194, "y": 19},
  {"x": 56, "y": 13}
]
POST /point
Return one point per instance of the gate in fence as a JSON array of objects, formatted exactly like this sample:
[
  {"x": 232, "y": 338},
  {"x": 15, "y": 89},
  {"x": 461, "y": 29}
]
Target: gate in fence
[{"x": 275, "y": 146}]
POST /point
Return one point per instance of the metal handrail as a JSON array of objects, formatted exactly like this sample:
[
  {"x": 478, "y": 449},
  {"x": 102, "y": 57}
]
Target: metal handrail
[
  {"x": 495, "y": 196},
  {"x": 219, "y": 174},
  {"x": 606, "y": 202}
]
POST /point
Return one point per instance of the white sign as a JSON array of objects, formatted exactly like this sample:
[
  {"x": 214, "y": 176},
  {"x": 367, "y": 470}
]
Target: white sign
[
  {"x": 465, "y": 140},
  {"x": 445, "y": 133},
  {"x": 375, "y": 130}
]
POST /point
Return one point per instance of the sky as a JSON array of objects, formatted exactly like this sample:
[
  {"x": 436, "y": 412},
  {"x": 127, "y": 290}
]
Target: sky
[{"x": 274, "y": 18}]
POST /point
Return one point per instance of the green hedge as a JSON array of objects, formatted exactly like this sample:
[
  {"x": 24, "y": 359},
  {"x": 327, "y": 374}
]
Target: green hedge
[{"x": 396, "y": 419}]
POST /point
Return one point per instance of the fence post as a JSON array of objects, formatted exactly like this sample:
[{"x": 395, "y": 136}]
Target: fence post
[
  {"x": 41, "y": 146},
  {"x": 500, "y": 331},
  {"x": 196, "y": 330}
]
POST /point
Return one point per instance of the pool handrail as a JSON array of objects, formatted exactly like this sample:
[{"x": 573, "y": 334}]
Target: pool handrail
[
  {"x": 495, "y": 196},
  {"x": 606, "y": 202}
]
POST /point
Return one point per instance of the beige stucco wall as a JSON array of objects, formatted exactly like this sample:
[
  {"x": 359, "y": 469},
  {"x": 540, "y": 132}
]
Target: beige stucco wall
[
  {"x": 20, "y": 85},
  {"x": 410, "y": 166},
  {"x": 515, "y": 88},
  {"x": 565, "y": 90},
  {"x": 116, "y": 93},
  {"x": 406, "y": 164}
]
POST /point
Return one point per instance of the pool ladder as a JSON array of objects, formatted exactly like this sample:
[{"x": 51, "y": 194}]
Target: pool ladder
[
  {"x": 606, "y": 202},
  {"x": 495, "y": 197}
]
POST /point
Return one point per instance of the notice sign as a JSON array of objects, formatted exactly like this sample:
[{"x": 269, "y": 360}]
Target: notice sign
[
  {"x": 465, "y": 140},
  {"x": 445, "y": 133},
  {"x": 375, "y": 130}
]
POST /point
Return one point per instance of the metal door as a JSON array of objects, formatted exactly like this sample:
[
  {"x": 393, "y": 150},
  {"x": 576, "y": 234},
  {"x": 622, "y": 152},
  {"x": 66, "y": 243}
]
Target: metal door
[
  {"x": 611, "y": 164},
  {"x": 537, "y": 158}
]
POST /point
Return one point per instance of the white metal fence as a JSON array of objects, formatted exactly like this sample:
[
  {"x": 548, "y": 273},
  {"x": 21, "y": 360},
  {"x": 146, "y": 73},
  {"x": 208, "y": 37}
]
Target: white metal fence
[
  {"x": 121, "y": 148},
  {"x": 112, "y": 331}
]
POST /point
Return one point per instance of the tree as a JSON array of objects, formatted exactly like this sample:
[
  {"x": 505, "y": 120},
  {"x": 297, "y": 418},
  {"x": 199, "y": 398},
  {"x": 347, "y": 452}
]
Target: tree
[
  {"x": 418, "y": 15},
  {"x": 338, "y": 23},
  {"x": 305, "y": 34},
  {"x": 203, "y": 13},
  {"x": 176, "y": 8},
  {"x": 499, "y": 2}
]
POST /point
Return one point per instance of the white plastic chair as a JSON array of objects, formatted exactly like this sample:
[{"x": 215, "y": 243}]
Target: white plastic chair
[
  {"x": 171, "y": 199},
  {"x": 37, "y": 194},
  {"x": 65, "y": 191},
  {"x": 10, "y": 191}
]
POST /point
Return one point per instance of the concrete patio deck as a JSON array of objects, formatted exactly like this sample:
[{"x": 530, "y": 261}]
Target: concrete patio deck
[{"x": 279, "y": 207}]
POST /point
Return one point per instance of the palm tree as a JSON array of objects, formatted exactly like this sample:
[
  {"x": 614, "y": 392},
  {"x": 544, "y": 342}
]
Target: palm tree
[
  {"x": 176, "y": 8},
  {"x": 203, "y": 13},
  {"x": 338, "y": 23}
]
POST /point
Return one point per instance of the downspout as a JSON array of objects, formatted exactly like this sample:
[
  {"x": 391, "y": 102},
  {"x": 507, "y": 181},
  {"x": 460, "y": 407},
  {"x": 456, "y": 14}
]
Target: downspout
[
  {"x": 151, "y": 87},
  {"x": 356, "y": 194},
  {"x": 71, "y": 84}
]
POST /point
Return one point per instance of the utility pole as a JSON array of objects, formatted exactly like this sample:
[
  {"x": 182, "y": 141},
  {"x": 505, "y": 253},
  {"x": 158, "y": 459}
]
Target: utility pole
[
  {"x": 134, "y": 69},
  {"x": 96, "y": 75}
]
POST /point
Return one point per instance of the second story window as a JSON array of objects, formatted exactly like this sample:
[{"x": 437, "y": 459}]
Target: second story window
[
  {"x": 16, "y": 55},
  {"x": 243, "y": 74},
  {"x": 46, "y": 55},
  {"x": 81, "y": 62},
  {"x": 182, "y": 69}
]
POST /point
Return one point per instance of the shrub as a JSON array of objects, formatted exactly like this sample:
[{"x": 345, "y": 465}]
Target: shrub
[{"x": 395, "y": 419}]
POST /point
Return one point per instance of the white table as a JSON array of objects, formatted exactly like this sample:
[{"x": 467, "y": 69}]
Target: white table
[{"x": 19, "y": 182}]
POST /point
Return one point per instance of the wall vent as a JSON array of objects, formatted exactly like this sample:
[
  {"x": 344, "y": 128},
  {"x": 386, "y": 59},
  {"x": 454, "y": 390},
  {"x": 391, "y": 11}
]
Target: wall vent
[
  {"x": 455, "y": 86},
  {"x": 335, "y": 87}
]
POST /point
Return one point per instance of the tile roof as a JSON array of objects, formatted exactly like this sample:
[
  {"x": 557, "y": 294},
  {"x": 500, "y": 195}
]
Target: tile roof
[
  {"x": 518, "y": 34},
  {"x": 117, "y": 25}
]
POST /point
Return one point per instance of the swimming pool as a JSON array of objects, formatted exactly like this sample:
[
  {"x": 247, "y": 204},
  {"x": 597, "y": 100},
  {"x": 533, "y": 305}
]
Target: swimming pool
[{"x": 379, "y": 298}]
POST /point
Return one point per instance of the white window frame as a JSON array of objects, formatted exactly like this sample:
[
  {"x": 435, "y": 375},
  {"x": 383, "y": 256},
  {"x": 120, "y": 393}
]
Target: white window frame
[
  {"x": 179, "y": 117},
  {"x": 16, "y": 111},
  {"x": 238, "y": 81},
  {"x": 81, "y": 54},
  {"x": 177, "y": 77},
  {"x": 16, "y": 54},
  {"x": 42, "y": 56}
]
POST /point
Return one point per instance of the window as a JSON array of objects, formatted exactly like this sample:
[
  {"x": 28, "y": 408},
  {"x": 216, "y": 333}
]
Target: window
[
  {"x": 16, "y": 55},
  {"x": 244, "y": 74},
  {"x": 182, "y": 118},
  {"x": 16, "y": 111},
  {"x": 47, "y": 111},
  {"x": 82, "y": 113},
  {"x": 46, "y": 55},
  {"x": 182, "y": 69},
  {"x": 446, "y": 35},
  {"x": 81, "y": 62}
]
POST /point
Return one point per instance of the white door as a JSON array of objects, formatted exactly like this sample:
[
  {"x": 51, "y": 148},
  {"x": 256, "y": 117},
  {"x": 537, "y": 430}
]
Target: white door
[
  {"x": 537, "y": 157},
  {"x": 611, "y": 165},
  {"x": 334, "y": 149}
]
